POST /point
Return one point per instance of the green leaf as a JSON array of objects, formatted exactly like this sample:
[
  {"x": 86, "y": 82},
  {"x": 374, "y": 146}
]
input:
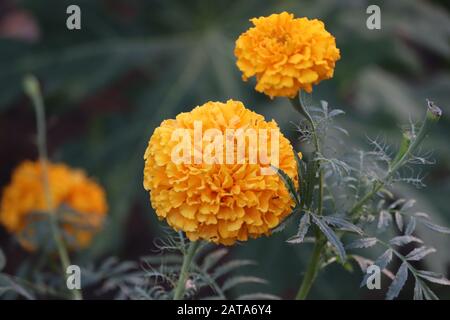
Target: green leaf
[
  {"x": 382, "y": 262},
  {"x": 411, "y": 226},
  {"x": 433, "y": 277},
  {"x": 342, "y": 224},
  {"x": 290, "y": 185},
  {"x": 399, "y": 220},
  {"x": 398, "y": 283},
  {"x": 435, "y": 227},
  {"x": 302, "y": 230},
  {"x": 418, "y": 291},
  {"x": 419, "y": 253},
  {"x": 11, "y": 284},
  {"x": 331, "y": 236},
  {"x": 402, "y": 240},
  {"x": 421, "y": 291},
  {"x": 428, "y": 293},
  {"x": 362, "y": 243}
]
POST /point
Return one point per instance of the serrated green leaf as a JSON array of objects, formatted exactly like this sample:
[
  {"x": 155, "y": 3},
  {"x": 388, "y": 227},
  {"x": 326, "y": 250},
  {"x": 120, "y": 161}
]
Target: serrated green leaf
[
  {"x": 421, "y": 291},
  {"x": 362, "y": 243},
  {"x": 398, "y": 282},
  {"x": 418, "y": 291},
  {"x": 399, "y": 220},
  {"x": 408, "y": 204},
  {"x": 290, "y": 185},
  {"x": 302, "y": 230},
  {"x": 335, "y": 112},
  {"x": 402, "y": 240},
  {"x": 382, "y": 262},
  {"x": 411, "y": 226},
  {"x": 428, "y": 293},
  {"x": 331, "y": 236},
  {"x": 342, "y": 224},
  {"x": 396, "y": 204},
  {"x": 16, "y": 287},
  {"x": 384, "y": 219},
  {"x": 435, "y": 227},
  {"x": 433, "y": 277},
  {"x": 419, "y": 253}
]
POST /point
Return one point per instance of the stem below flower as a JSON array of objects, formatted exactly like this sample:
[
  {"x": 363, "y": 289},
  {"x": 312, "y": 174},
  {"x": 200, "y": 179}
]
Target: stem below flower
[
  {"x": 184, "y": 273},
  {"x": 314, "y": 263},
  {"x": 301, "y": 108},
  {"x": 303, "y": 111},
  {"x": 311, "y": 271},
  {"x": 32, "y": 89}
]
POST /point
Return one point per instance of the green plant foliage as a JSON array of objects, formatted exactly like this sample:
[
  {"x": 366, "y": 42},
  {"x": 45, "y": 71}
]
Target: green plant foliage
[{"x": 136, "y": 63}]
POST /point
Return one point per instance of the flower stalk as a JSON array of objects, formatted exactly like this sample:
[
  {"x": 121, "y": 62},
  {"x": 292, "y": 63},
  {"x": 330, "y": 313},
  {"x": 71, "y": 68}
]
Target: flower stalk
[
  {"x": 299, "y": 106},
  {"x": 314, "y": 264},
  {"x": 184, "y": 272},
  {"x": 311, "y": 271},
  {"x": 31, "y": 87}
]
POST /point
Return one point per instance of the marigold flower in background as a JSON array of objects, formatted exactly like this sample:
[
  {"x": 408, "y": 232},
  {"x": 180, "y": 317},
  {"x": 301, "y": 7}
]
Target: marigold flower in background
[
  {"x": 79, "y": 200},
  {"x": 286, "y": 54},
  {"x": 218, "y": 202}
]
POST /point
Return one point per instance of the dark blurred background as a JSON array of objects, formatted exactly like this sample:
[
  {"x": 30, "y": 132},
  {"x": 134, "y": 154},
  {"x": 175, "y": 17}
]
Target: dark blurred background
[{"x": 135, "y": 63}]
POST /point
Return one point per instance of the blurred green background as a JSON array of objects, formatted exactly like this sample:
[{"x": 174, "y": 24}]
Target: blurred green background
[{"x": 135, "y": 63}]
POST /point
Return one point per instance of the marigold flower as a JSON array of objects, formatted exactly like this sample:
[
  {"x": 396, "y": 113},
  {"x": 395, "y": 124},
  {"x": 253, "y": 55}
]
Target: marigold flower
[
  {"x": 286, "y": 54},
  {"x": 24, "y": 201},
  {"x": 221, "y": 202}
]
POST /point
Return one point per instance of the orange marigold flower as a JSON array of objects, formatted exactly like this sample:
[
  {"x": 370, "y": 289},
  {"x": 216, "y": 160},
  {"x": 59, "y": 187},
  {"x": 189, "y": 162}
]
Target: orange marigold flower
[
  {"x": 220, "y": 201},
  {"x": 24, "y": 201},
  {"x": 286, "y": 54}
]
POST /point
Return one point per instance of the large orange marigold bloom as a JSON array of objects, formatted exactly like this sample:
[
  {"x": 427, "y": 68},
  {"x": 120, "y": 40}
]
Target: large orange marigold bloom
[
  {"x": 286, "y": 54},
  {"x": 222, "y": 202},
  {"x": 80, "y": 201}
]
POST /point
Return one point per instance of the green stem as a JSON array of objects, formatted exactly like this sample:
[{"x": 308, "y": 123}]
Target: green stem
[
  {"x": 311, "y": 271},
  {"x": 376, "y": 187},
  {"x": 184, "y": 273},
  {"x": 320, "y": 200},
  {"x": 314, "y": 264},
  {"x": 32, "y": 89},
  {"x": 302, "y": 110},
  {"x": 296, "y": 103}
]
